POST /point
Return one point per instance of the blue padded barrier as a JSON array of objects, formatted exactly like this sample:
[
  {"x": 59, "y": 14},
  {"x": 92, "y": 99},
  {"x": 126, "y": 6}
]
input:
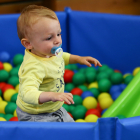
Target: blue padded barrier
[
  {"x": 112, "y": 39},
  {"x": 9, "y": 40}
]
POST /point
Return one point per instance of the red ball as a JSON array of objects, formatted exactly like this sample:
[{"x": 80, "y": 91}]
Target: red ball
[
  {"x": 70, "y": 114},
  {"x": 68, "y": 76},
  {"x": 117, "y": 71},
  {"x": 2, "y": 84},
  {"x": 98, "y": 107},
  {"x": 76, "y": 91},
  {"x": 14, "y": 119},
  {"x": 1, "y": 66},
  {"x": 7, "y": 86},
  {"x": 93, "y": 111}
]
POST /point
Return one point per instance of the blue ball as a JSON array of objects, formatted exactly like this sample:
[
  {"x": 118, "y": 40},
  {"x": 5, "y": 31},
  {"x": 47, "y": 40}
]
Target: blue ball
[
  {"x": 75, "y": 71},
  {"x": 4, "y": 57},
  {"x": 122, "y": 86},
  {"x": 66, "y": 91},
  {"x": 114, "y": 88},
  {"x": 115, "y": 95},
  {"x": 86, "y": 94}
]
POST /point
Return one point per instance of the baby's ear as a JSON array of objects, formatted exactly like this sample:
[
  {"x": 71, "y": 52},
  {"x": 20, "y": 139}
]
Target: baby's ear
[{"x": 26, "y": 43}]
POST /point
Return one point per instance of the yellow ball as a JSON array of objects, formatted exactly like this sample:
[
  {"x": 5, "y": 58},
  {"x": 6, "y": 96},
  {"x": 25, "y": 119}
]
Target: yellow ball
[
  {"x": 125, "y": 75},
  {"x": 136, "y": 70},
  {"x": 90, "y": 102},
  {"x": 103, "y": 95},
  {"x": 93, "y": 85},
  {"x": 15, "y": 113},
  {"x": 3, "y": 104},
  {"x": 8, "y": 94},
  {"x": 7, "y": 66},
  {"x": 2, "y": 119},
  {"x": 80, "y": 120},
  {"x": 1, "y": 99},
  {"x": 106, "y": 102},
  {"x": 91, "y": 118},
  {"x": 17, "y": 88}
]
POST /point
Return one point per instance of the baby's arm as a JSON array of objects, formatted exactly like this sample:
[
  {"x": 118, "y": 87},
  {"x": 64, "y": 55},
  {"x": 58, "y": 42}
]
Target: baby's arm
[
  {"x": 84, "y": 60},
  {"x": 51, "y": 96}
]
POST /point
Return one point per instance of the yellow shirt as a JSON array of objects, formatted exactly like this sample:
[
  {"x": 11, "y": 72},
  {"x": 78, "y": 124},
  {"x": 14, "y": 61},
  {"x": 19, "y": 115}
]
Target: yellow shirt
[{"x": 37, "y": 75}]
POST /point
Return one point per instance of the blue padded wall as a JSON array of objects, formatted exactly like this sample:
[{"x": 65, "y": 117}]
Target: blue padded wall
[
  {"x": 112, "y": 39},
  {"x": 9, "y": 40}
]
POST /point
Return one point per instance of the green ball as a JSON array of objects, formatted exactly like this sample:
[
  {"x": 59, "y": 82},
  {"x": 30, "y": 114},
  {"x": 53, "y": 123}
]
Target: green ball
[
  {"x": 90, "y": 76},
  {"x": 10, "y": 108},
  {"x": 69, "y": 87},
  {"x": 102, "y": 75},
  {"x": 116, "y": 78},
  {"x": 68, "y": 67},
  {"x": 128, "y": 79},
  {"x": 8, "y": 116},
  {"x": 66, "y": 107},
  {"x": 79, "y": 112},
  {"x": 18, "y": 59},
  {"x": 95, "y": 92},
  {"x": 2, "y": 115},
  {"x": 14, "y": 80},
  {"x": 104, "y": 85},
  {"x": 77, "y": 100},
  {"x": 82, "y": 70},
  {"x": 14, "y": 98},
  {"x": 18, "y": 67},
  {"x": 0, "y": 92},
  {"x": 74, "y": 67},
  {"x": 14, "y": 72},
  {"x": 121, "y": 116},
  {"x": 103, "y": 68},
  {"x": 78, "y": 79},
  {"x": 109, "y": 71},
  {"x": 90, "y": 69},
  {"x": 71, "y": 108},
  {"x": 83, "y": 87},
  {"x": 4, "y": 75}
]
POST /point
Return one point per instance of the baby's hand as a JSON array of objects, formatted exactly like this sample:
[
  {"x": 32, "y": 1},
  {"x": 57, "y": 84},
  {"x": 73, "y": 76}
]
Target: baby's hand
[
  {"x": 88, "y": 61},
  {"x": 66, "y": 97}
]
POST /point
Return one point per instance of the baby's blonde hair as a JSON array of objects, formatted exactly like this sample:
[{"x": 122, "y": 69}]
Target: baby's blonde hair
[{"x": 29, "y": 16}]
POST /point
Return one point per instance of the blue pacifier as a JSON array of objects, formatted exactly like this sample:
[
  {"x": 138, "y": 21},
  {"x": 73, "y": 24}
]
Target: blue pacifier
[{"x": 58, "y": 51}]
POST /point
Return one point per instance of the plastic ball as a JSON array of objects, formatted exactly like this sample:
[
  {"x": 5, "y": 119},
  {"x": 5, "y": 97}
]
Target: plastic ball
[
  {"x": 109, "y": 71},
  {"x": 69, "y": 87},
  {"x": 93, "y": 85},
  {"x": 91, "y": 118},
  {"x": 2, "y": 115},
  {"x": 7, "y": 67},
  {"x": 128, "y": 79},
  {"x": 1, "y": 98},
  {"x": 79, "y": 112},
  {"x": 95, "y": 92},
  {"x": 10, "y": 108},
  {"x": 15, "y": 113},
  {"x": 74, "y": 67},
  {"x": 80, "y": 120},
  {"x": 14, "y": 72},
  {"x": 99, "y": 107},
  {"x": 66, "y": 107},
  {"x": 4, "y": 75},
  {"x": 14, "y": 119},
  {"x": 86, "y": 94},
  {"x": 93, "y": 111},
  {"x": 82, "y": 70},
  {"x": 116, "y": 94},
  {"x": 2, "y": 84},
  {"x": 71, "y": 108},
  {"x": 8, "y": 116},
  {"x": 17, "y": 87},
  {"x": 4, "y": 57},
  {"x": 5, "y": 87},
  {"x": 1, "y": 66},
  {"x": 104, "y": 85},
  {"x": 83, "y": 87},
  {"x": 14, "y": 80},
  {"x": 76, "y": 91},
  {"x": 102, "y": 75},
  {"x": 3, "y": 104},
  {"x": 68, "y": 75},
  {"x": 78, "y": 79},
  {"x": 17, "y": 60},
  {"x": 106, "y": 103},
  {"x": 8, "y": 94},
  {"x": 136, "y": 70},
  {"x": 103, "y": 68},
  {"x": 116, "y": 78},
  {"x": 103, "y": 95},
  {"x": 14, "y": 97},
  {"x": 2, "y": 119},
  {"x": 70, "y": 114},
  {"x": 125, "y": 75},
  {"x": 117, "y": 71},
  {"x": 122, "y": 86},
  {"x": 115, "y": 88},
  {"x": 77, "y": 100},
  {"x": 90, "y": 69},
  {"x": 90, "y": 102},
  {"x": 90, "y": 76},
  {"x": 68, "y": 67},
  {"x": 0, "y": 92}
]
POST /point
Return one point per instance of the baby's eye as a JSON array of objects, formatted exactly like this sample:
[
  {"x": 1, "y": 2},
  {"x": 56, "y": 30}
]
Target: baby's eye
[
  {"x": 59, "y": 34},
  {"x": 49, "y": 38}
]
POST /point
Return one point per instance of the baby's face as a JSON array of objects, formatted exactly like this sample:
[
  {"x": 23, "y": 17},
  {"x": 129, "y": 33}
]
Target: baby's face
[{"x": 45, "y": 34}]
